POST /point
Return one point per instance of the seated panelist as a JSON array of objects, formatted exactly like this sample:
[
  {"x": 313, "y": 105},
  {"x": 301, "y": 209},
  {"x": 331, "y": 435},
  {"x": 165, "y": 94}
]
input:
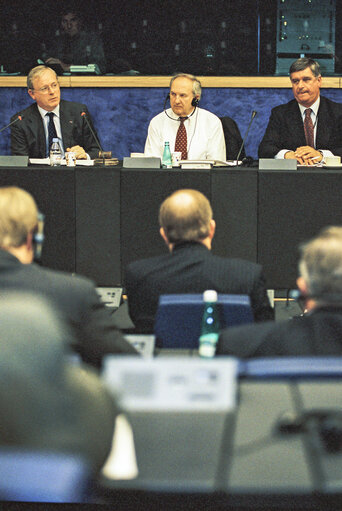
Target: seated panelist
[
  {"x": 193, "y": 131},
  {"x": 51, "y": 117},
  {"x": 309, "y": 127}
]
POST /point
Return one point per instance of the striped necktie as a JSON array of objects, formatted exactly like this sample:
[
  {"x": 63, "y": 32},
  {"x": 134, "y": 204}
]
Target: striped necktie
[{"x": 309, "y": 128}]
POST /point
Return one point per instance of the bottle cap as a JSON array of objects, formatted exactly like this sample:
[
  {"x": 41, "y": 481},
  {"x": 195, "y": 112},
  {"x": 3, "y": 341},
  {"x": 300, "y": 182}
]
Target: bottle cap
[{"x": 210, "y": 295}]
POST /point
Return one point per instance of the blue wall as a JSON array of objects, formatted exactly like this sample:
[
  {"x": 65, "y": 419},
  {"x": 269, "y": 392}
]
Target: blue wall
[{"x": 121, "y": 115}]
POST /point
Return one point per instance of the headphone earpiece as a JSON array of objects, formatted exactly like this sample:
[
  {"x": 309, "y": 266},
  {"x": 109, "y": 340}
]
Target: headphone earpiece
[{"x": 38, "y": 237}]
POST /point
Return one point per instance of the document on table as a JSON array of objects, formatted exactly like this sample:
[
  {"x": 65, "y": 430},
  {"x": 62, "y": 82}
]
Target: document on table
[{"x": 46, "y": 161}]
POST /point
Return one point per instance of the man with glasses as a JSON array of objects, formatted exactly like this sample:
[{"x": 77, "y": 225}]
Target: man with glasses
[{"x": 51, "y": 117}]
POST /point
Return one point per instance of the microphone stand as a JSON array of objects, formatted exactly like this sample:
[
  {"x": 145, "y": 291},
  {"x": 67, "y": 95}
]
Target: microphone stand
[{"x": 254, "y": 113}]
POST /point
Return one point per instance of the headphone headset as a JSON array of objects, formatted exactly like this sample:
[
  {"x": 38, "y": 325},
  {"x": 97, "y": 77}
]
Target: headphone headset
[{"x": 38, "y": 237}]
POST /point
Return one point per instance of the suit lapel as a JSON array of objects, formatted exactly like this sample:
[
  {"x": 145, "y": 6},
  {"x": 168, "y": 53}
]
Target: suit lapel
[
  {"x": 323, "y": 125},
  {"x": 36, "y": 127},
  {"x": 296, "y": 126},
  {"x": 67, "y": 125}
]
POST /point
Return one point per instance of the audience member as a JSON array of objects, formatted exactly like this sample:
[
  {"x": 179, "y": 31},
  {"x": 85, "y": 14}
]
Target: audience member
[
  {"x": 74, "y": 296},
  {"x": 32, "y": 134},
  {"x": 319, "y": 330},
  {"x": 46, "y": 401},
  {"x": 308, "y": 128},
  {"x": 191, "y": 130},
  {"x": 75, "y": 46},
  {"x": 187, "y": 227}
]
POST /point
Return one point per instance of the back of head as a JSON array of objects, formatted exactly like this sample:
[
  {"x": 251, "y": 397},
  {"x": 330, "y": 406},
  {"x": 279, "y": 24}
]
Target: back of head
[
  {"x": 185, "y": 216},
  {"x": 18, "y": 216},
  {"x": 303, "y": 63},
  {"x": 321, "y": 265}
]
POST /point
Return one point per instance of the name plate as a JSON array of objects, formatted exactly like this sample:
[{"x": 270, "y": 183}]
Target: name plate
[{"x": 274, "y": 164}]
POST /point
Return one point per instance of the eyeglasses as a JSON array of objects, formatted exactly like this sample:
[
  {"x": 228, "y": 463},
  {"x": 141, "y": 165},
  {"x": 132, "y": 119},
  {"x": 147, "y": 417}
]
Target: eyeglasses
[{"x": 44, "y": 90}]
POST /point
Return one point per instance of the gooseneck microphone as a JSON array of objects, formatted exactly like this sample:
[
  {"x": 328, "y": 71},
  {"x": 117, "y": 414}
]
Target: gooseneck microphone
[
  {"x": 83, "y": 114},
  {"x": 254, "y": 113},
  {"x": 18, "y": 118}
]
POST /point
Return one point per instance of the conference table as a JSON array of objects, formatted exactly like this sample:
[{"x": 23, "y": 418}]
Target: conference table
[
  {"x": 98, "y": 219},
  {"x": 266, "y": 466}
]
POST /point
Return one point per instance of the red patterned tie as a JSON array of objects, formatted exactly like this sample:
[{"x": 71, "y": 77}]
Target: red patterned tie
[
  {"x": 181, "y": 144},
  {"x": 309, "y": 128}
]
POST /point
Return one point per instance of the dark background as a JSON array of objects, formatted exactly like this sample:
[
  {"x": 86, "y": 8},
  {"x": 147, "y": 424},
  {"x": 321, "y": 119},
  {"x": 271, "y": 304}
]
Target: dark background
[{"x": 223, "y": 37}]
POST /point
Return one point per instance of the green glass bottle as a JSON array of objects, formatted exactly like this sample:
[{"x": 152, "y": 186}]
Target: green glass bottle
[
  {"x": 210, "y": 327},
  {"x": 167, "y": 161}
]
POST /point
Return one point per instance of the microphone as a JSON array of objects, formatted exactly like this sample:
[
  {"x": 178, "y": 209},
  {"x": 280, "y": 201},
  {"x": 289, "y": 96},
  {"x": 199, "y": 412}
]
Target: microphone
[
  {"x": 19, "y": 118},
  {"x": 254, "y": 113},
  {"x": 83, "y": 114}
]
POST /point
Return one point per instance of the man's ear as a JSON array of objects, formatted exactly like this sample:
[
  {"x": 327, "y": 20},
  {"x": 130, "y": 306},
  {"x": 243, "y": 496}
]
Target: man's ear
[
  {"x": 32, "y": 94},
  {"x": 163, "y": 235},
  {"x": 212, "y": 228},
  {"x": 302, "y": 286}
]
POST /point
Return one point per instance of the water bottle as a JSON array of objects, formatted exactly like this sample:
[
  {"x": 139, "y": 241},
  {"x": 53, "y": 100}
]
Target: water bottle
[
  {"x": 210, "y": 327},
  {"x": 167, "y": 161},
  {"x": 55, "y": 153}
]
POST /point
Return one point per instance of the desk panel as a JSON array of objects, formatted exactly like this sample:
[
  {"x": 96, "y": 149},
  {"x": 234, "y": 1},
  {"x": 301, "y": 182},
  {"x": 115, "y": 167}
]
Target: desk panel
[
  {"x": 234, "y": 203},
  {"x": 293, "y": 207},
  {"x": 97, "y": 216},
  {"x": 142, "y": 192},
  {"x": 53, "y": 190}
]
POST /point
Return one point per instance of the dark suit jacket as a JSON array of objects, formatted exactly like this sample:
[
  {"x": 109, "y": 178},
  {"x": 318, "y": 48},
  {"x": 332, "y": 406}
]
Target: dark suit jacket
[
  {"x": 285, "y": 129},
  {"x": 191, "y": 268},
  {"x": 47, "y": 402},
  {"x": 76, "y": 298},
  {"x": 28, "y": 136},
  {"x": 317, "y": 333}
]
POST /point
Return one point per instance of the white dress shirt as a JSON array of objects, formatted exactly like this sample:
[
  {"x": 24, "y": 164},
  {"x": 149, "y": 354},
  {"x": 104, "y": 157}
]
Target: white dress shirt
[{"x": 204, "y": 135}]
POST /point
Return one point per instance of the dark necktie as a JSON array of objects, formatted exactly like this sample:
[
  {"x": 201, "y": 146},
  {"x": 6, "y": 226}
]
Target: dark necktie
[
  {"x": 309, "y": 128},
  {"x": 181, "y": 144},
  {"x": 51, "y": 129}
]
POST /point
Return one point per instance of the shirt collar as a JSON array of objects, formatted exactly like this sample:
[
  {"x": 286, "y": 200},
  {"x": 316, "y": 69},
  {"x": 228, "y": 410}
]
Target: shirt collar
[
  {"x": 44, "y": 112},
  {"x": 314, "y": 107}
]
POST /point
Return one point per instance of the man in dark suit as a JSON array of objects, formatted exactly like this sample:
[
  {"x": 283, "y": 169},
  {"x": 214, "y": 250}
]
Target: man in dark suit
[
  {"x": 308, "y": 128},
  {"x": 187, "y": 227},
  {"x": 75, "y": 297},
  {"x": 30, "y": 133},
  {"x": 319, "y": 330},
  {"x": 46, "y": 401}
]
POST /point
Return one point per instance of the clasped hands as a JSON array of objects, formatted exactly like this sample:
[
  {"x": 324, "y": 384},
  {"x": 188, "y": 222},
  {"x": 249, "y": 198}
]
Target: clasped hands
[
  {"x": 305, "y": 155},
  {"x": 79, "y": 152}
]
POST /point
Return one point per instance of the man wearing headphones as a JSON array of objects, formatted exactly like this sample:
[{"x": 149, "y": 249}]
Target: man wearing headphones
[
  {"x": 73, "y": 297},
  {"x": 193, "y": 131},
  {"x": 319, "y": 330}
]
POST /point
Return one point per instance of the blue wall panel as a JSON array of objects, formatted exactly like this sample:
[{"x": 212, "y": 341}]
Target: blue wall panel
[{"x": 121, "y": 115}]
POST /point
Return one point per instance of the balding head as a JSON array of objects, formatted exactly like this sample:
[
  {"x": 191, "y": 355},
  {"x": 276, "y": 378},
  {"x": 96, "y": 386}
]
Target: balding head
[
  {"x": 186, "y": 215},
  {"x": 320, "y": 265}
]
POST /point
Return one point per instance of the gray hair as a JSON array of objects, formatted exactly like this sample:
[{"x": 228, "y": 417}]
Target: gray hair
[
  {"x": 320, "y": 265},
  {"x": 35, "y": 72},
  {"x": 196, "y": 84},
  {"x": 303, "y": 63}
]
